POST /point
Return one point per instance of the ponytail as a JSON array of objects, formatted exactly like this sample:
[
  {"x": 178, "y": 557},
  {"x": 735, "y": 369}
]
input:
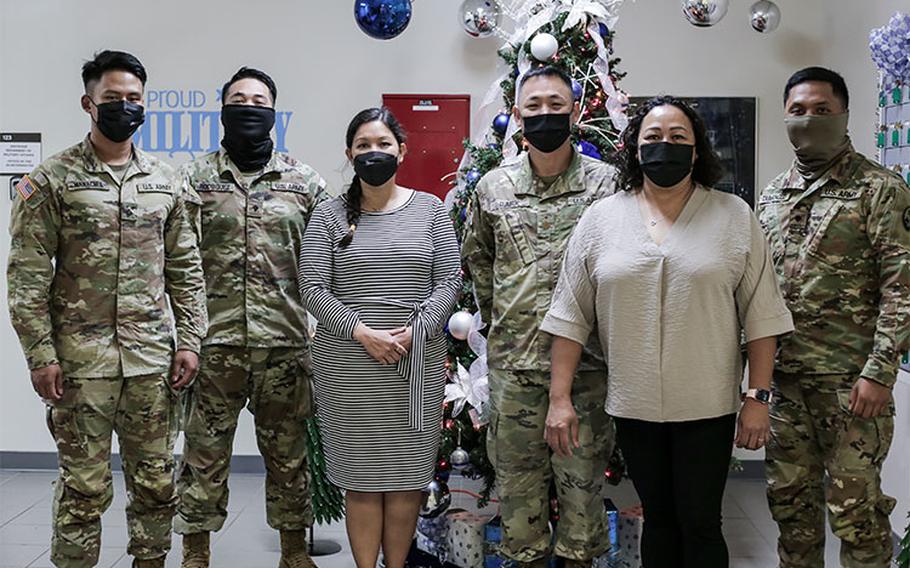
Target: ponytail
[{"x": 352, "y": 207}]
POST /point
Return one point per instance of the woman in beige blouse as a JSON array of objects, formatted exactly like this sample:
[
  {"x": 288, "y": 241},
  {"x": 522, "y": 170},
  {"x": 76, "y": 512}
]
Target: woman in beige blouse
[{"x": 672, "y": 273}]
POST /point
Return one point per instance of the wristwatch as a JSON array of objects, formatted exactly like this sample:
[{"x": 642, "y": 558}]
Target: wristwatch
[{"x": 761, "y": 395}]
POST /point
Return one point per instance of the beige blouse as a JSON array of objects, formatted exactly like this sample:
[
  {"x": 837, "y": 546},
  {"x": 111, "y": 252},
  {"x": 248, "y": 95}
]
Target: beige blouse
[{"x": 670, "y": 316}]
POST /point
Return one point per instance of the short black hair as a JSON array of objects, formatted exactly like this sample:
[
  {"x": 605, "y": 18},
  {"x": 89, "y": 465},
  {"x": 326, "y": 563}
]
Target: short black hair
[
  {"x": 838, "y": 85},
  {"x": 250, "y": 73},
  {"x": 546, "y": 71},
  {"x": 707, "y": 169},
  {"x": 109, "y": 60}
]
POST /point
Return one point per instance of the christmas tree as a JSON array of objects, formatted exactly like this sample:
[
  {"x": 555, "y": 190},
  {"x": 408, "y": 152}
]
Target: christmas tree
[
  {"x": 576, "y": 36},
  {"x": 903, "y": 557},
  {"x": 327, "y": 499}
]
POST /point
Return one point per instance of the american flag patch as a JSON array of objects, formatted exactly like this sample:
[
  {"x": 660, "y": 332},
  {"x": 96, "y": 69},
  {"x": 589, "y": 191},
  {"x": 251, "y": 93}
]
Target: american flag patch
[{"x": 25, "y": 188}]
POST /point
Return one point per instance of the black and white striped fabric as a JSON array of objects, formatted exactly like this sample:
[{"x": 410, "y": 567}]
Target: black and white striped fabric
[{"x": 380, "y": 423}]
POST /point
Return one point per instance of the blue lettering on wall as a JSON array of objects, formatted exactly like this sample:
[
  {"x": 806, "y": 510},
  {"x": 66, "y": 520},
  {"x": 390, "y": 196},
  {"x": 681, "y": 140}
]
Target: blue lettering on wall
[{"x": 176, "y": 122}]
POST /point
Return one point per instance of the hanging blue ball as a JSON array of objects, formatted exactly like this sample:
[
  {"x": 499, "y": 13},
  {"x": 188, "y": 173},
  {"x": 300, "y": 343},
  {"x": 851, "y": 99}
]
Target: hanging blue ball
[
  {"x": 501, "y": 123},
  {"x": 382, "y": 19},
  {"x": 576, "y": 90},
  {"x": 604, "y": 31},
  {"x": 472, "y": 177},
  {"x": 588, "y": 149}
]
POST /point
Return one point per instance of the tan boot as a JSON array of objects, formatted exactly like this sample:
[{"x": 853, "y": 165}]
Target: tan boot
[
  {"x": 149, "y": 562},
  {"x": 294, "y": 550},
  {"x": 196, "y": 550}
]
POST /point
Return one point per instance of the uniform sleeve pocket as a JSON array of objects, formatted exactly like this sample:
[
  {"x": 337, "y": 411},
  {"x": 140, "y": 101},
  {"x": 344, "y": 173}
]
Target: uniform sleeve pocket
[{"x": 519, "y": 239}]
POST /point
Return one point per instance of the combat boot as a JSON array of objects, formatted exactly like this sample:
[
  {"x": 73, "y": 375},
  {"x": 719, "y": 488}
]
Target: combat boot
[
  {"x": 196, "y": 550},
  {"x": 294, "y": 550},
  {"x": 149, "y": 562}
]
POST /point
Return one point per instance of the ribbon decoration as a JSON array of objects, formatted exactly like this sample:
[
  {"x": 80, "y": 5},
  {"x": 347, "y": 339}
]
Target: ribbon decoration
[
  {"x": 890, "y": 47},
  {"x": 471, "y": 387}
]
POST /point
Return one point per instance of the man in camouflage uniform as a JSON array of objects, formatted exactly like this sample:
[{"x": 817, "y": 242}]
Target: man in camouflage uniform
[
  {"x": 522, "y": 216},
  {"x": 250, "y": 206},
  {"x": 839, "y": 230},
  {"x": 100, "y": 239}
]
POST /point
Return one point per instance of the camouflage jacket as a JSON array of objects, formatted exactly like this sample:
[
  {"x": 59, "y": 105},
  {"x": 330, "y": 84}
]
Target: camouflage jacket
[
  {"x": 92, "y": 261},
  {"x": 518, "y": 232},
  {"x": 250, "y": 239},
  {"x": 841, "y": 249}
]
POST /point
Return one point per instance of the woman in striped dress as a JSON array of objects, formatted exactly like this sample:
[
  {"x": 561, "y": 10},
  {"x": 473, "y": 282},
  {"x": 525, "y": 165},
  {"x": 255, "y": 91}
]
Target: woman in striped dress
[{"x": 380, "y": 271}]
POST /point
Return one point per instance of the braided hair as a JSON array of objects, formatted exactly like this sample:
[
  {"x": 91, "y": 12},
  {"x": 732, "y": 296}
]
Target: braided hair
[{"x": 354, "y": 194}]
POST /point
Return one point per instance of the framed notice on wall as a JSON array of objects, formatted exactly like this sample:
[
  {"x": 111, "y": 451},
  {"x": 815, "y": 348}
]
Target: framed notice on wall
[
  {"x": 20, "y": 152},
  {"x": 731, "y": 124}
]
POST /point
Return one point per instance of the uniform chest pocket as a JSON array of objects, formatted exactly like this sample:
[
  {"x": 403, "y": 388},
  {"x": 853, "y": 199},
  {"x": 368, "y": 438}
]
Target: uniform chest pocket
[
  {"x": 153, "y": 202},
  {"x": 838, "y": 235},
  {"x": 513, "y": 242},
  {"x": 90, "y": 202}
]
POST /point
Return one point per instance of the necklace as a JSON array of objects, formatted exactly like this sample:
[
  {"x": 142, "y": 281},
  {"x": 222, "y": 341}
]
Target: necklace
[{"x": 653, "y": 220}]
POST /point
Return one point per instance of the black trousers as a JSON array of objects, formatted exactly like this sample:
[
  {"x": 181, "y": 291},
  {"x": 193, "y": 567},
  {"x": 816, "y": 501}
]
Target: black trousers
[{"x": 680, "y": 470}]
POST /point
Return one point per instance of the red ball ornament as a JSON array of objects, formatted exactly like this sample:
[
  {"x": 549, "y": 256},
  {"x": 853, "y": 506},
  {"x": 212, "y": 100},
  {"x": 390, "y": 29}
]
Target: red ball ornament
[
  {"x": 450, "y": 424},
  {"x": 443, "y": 465}
]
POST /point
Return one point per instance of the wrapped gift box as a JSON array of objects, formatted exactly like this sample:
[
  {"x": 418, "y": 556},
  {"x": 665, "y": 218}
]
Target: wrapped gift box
[
  {"x": 492, "y": 536},
  {"x": 432, "y": 535},
  {"x": 465, "y": 539},
  {"x": 631, "y": 521}
]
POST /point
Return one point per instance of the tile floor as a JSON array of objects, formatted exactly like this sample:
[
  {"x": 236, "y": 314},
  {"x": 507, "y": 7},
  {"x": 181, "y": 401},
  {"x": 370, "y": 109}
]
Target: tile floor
[{"x": 247, "y": 542}]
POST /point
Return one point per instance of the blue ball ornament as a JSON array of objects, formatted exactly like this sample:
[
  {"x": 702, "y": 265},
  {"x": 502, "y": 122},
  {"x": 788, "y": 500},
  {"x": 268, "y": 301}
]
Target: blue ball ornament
[
  {"x": 604, "y": 31},
  {"x": 382, "y": 19},
  {"x": 576, "y": 90},
  {"x": 472, "y": 177},
  {"x": 588, "y": 149},
  {"x": 501, "y": 123}
]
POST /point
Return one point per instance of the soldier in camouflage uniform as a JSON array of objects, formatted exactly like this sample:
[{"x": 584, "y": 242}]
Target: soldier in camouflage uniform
[
  {"x": 100, "y": 239},
  {"x": 250, "y": 206},
  {"x": 839, "y": 230},
  {"x": 521, "y": 218}
]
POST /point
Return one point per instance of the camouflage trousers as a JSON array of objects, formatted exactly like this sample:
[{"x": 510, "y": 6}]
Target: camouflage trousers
[
  {"x": 143, "y": 411},
  {"x": 820, "y": 455},
  {"x": 525, "y": 466},
  {"x": 274, "y": 384}
]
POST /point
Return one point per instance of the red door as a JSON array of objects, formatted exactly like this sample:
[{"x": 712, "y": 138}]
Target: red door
[{"x": 436, "y": 126}]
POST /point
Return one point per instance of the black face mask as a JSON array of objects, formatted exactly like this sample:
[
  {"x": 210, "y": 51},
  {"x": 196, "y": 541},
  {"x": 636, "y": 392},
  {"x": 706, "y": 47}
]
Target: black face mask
[
  {"x": 247, "y": 135},
  {"x": 376, "y": 168},
  {"x": 666, "y": 164},
  {"x": 547, "y": 132},
  {"x": 118, "y": 120}
]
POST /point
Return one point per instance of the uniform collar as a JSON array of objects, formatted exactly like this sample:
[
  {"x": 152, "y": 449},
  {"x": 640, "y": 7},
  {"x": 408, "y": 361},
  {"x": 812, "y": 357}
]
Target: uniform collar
[
  {"x": 839, "y": 174},
  {"x": 227, "y": 165},
  {"x": 570, "y": 181},
  {"x": 140, "y": 161}
]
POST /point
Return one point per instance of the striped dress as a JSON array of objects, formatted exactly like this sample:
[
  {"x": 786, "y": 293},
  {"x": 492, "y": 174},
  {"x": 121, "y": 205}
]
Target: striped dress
[{"x": 380, "y": 423}]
